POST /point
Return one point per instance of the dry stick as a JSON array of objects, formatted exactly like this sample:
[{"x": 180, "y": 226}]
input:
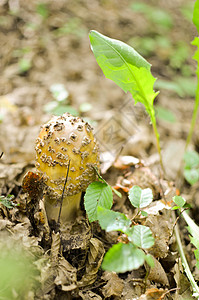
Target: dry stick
[{"x": 62, "y": 196}]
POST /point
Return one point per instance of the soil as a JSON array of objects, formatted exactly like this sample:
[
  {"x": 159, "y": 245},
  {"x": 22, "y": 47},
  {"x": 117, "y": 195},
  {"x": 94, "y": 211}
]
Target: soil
[{"x": 46, "y": 43}]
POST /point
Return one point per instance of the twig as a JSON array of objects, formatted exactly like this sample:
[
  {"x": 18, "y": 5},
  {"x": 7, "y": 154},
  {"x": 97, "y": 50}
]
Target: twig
[{"x": 62, "y": 196}]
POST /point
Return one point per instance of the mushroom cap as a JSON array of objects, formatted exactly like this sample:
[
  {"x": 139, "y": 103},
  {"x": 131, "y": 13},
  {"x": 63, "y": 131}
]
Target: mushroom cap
[{"x": 61, "y": 139}]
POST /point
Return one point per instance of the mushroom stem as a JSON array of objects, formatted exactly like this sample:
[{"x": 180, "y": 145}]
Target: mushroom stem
[{"x": 70, "y": 207}]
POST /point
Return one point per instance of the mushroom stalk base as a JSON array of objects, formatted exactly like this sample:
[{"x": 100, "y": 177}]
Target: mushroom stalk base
[{"x": 69, "y": 210}]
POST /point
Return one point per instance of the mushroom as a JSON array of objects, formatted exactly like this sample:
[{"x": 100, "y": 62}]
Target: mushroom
[{"x": 66, "y": 146}]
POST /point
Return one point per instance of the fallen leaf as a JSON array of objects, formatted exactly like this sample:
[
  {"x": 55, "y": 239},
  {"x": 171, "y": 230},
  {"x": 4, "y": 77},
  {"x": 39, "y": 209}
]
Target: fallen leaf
[
  {"x": 154, "y": 294},
  {"x": 157, "y": 273},
  {"x": 114, "y": 285},
  {"x": 95, "y": 257}
]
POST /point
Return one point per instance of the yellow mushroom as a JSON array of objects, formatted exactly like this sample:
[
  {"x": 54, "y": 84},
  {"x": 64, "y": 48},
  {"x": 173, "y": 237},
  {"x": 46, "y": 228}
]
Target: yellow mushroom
[{"x": 66, "y": 143}]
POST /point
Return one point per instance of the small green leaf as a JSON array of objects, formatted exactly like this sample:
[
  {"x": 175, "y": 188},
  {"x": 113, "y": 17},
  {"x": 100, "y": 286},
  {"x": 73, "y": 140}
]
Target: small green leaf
[
  {"x": 191, "y": 169},
  {"x": 165, "y": 114},
  {"x": 196, "y": 253},
  {"x": 193, "y": 228},
  {"x": 179, "y": 200},
  {"x": 112, "y": 221},
  {"x": 7, "y": 201},
  {"x": 196, "y": 54},
  {"x": 59, "y": 92},
  {"x": 191, "y": 159},
  {"x": 144, "y": 213},
  {"x": 116, "y": 192},
  {"x": 42, "y": 10},
  {"x": 140, "y": 198},
  {"x": 142, "y": 237},
  {"x": 150, "y": 261},
  {"x": 122, "y": 258},
  {"x": 61, "y": 109},
  {"x": 192, "y": 176},
  {"x": 24, "y": 65},
  {"x": 175, "y": 207},
  {"x": 97, "y": 194},
  {"x": 196, "y": 15}
]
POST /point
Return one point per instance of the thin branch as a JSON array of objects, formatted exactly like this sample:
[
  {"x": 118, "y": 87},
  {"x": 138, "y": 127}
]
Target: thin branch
[{"x": 62, "y": 196}]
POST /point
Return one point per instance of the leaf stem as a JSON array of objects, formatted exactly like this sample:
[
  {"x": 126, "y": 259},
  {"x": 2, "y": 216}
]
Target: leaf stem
[
  {"x": 153, "y": 120},
  {"x": 184, "y": 261},
  {"x": 194, "y": 116}
]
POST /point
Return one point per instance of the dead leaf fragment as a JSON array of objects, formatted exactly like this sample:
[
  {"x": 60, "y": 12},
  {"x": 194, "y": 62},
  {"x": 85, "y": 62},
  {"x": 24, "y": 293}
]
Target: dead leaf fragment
[
  {"x": 154, "y": 294},
  {"x": 162, "y": 230},
  {"x": 114, "y": 285},
  {"x": 66, "y": 277},
  {"x": 95, "y": 257},
  {"x": 157, "y": 273}
]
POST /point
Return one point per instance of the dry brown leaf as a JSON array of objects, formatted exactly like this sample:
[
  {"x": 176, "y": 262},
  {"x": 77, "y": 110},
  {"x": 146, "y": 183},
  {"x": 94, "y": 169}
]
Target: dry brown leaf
[
  {"x": 157, "y": 273},
  {"x": 95, "y": 257},
  {"x": 162, "y": 230},
  {"x": 89, "y": 295},
  {"x": 183, "y": 290},
  {"x": 114, "y": 285},
  {"x": 5, "y": 224},
  {"x": 154, "y": 294},
  {"x": 77, "y": 235},
  {"x": 67, "y": 275}
]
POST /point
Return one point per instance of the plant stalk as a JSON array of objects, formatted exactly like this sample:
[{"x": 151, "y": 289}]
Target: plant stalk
[
  {"x": 184, "y": 261},
  {"x": 153, "y": 120},
  {"x": 194, "y": 117}
]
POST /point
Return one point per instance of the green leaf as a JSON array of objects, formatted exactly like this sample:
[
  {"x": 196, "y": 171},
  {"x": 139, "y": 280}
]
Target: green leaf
[
  {"x": 140, "y": 198},
  {"x": 179, "y": 200},
  {"x": 126, "y": 67},
  {"x": 196, "y": 253},
  {"x": 191, "y": 159},
  {"x": 150, "y": 261},
  {"x": 97, "y": 194},
  {"x": 116, "y": 192},
  {"x": 196, "y": 54},
  {"x": 191, "y": 169},
  {"x": 192, "y": 176},
  {"x": 165, "y": 114},
  {"x": 193, "y": 228},
  {"x": 196, "y": 15},
  {"x": 112, "y": 221},
  {"x": 144, "y": 213},
  {"x": 122, "y": 258},
  {"x": 7, "y": 201},
  {"x": 142, "y": 237}
]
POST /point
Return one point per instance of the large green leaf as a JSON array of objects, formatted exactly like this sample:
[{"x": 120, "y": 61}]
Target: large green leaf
[
  {"x": 142, "y": 236},
  {"x": 196, "y": 15},
  {"x": 127, "y": 68},
  {"x": 123, "y": 257},
  {"x": 112, "y": 221},
  {"x": 97, "y": 194},
  {"x": 140, "y": 198}
]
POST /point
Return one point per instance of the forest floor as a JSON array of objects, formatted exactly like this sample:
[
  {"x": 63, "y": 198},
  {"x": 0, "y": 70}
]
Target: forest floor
[{"x": 44, "y": 43}]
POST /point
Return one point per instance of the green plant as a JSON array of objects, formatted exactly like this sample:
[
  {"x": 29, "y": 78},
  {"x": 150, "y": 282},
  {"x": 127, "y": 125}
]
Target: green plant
[
  {"x": 42, "y": 10},
  {"x": 7, "y": 201},
  {"x": 191, "y": 166},
  {"x": 61, "y": 103},
  {"x": 194, "y": 231},
  {"x": 128, "y": 69},
  {"x": 18, "y": 271},
  {"x": 196, "y": 57},
  {"x": 155, "y": 15},
  {"x": 131, "y": 72},
  {"x": 130, "y": 253}
]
